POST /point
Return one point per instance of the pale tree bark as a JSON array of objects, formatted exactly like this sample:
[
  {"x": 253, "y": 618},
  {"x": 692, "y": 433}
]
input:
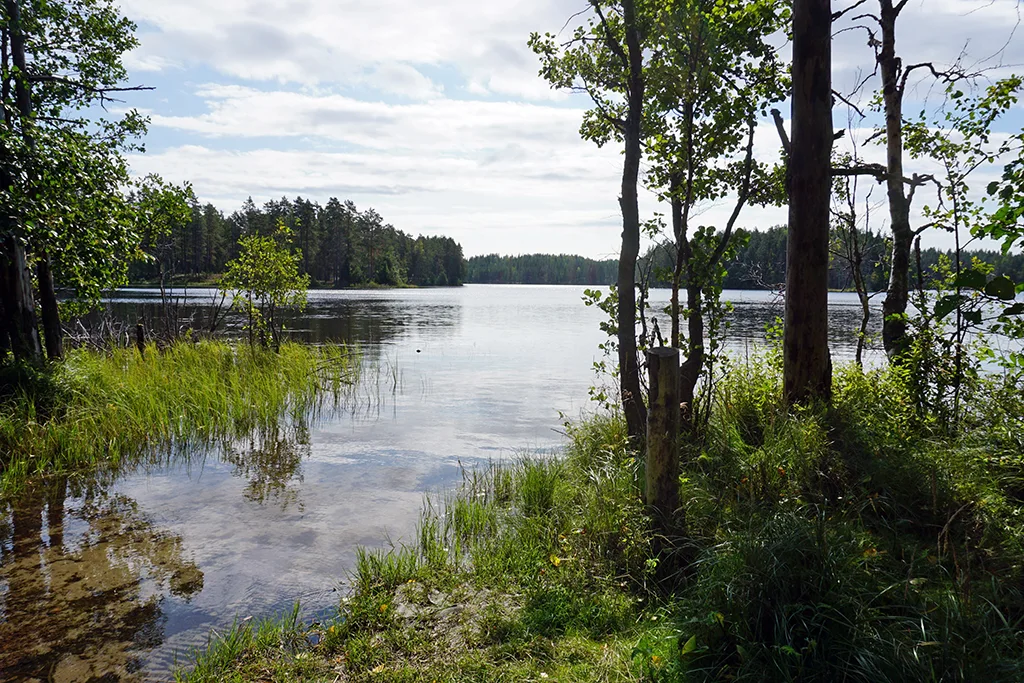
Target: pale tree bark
[
  {"x": 629, "y": 370},
  {"x": 807, "y": 367},
  {"x": 894, "y": 308}
]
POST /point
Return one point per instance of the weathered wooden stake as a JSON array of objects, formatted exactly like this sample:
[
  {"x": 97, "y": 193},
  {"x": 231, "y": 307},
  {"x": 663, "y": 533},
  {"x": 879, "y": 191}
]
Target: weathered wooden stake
[
  {"x": 662, "y": 491},
  {"x": 140, "y": 338}
]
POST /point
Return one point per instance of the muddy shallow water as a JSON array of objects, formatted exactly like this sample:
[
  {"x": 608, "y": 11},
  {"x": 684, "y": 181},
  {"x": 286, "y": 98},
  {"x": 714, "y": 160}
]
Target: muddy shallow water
[{"x": 118, "y": 580}]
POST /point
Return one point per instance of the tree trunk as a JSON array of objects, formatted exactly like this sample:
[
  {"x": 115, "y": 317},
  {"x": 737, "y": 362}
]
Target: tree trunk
[
  {"x": 689, "y": 374},
  {"x": 53, "y": 333},
  {"x": 5, "y": 338},
  {"x": 807, "y": 367},
  {"x": 19, "y": 304},
  {"x": 19, "y": 307},
  {"x": 629, "y": 369},
  {"x": 894, "y": 308}
]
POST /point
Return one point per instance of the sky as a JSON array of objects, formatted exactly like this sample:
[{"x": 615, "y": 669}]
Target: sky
[{"x": 432, "y": 112}]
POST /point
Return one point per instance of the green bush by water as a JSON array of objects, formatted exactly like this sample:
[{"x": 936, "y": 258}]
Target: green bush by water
[
  {"x": 860, "y": 542},
  {"x": 100, "y": 409}
]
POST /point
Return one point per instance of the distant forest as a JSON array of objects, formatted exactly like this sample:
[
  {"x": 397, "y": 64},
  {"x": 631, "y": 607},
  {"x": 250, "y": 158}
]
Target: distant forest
[
  {"x": 540, "y": 269},
  {"x": 341, "y": 246},
  {"x": 761, "y": 264}
]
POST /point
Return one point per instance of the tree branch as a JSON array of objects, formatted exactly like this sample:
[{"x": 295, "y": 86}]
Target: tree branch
[
  {"x": 780, "y": 126},
  {"x": 840, "y": 13},
  {"x": 848, "y": 103},
  {"x": 613, "y": 43}
]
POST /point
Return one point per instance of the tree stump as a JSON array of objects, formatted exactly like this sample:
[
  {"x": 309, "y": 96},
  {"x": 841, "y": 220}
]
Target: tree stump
[{"x": 661, "y": 493}]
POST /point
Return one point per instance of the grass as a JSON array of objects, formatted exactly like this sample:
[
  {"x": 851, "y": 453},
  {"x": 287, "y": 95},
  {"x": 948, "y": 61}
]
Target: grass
[
  {"x": 99, "y": 410},
  {"x": 859, "y": 542}
]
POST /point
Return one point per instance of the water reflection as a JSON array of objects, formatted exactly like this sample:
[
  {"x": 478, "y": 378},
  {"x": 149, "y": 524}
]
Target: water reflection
[
  {"x": 82, "y": 593},
  {"x": 271, "y": 460}
]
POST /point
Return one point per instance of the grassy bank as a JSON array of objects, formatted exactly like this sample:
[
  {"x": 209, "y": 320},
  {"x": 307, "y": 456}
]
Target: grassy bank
[
  {"x": 97, "y": 409},
  {"x": 864, "y": 542}
]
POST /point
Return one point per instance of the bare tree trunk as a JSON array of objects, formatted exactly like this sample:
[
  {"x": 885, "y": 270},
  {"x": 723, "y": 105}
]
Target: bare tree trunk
[
  {"x": 894, "y": 308},
  {"x": 53, "y": 333},
  {"x": 807, "y": 368},
  {"x": 629, "y": 368}
]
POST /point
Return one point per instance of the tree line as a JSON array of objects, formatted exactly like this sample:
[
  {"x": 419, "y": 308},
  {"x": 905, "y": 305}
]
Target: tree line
[
  {"x": 338, "y": 245},
  {"x": 540, "y": 269},
  {"x": 759, "y": 263}
]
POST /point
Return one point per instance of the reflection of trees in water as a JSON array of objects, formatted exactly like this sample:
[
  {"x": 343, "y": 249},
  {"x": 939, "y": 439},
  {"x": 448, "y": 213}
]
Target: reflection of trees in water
[
  {"x": 82, "y": 605},
  {"x": 368, "y": 322},
  {"x": 747, "y": 321},
  {"x": 271, "y": 459}
]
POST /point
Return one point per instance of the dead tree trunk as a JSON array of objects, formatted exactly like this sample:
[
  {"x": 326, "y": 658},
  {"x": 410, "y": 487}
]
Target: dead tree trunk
[
  {"x": 662, "y": 480},
  {"x": 807, "y": 368},
  {"x": 894, "y": 308}
]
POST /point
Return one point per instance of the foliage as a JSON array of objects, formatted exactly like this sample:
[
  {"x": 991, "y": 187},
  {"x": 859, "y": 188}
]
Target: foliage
[
  {"x": 540, "y": 269},
  {"x": 63, "y": 161},
  {"x": 264, "y": 279},
  {"x": 340, "y": 246},
  {"x": 971, "y": 300}
]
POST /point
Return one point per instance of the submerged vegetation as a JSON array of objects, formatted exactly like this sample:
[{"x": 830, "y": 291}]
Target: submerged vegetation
[
  {"x": 96, "y": 409},
  {"x": 863, "y": 541}
]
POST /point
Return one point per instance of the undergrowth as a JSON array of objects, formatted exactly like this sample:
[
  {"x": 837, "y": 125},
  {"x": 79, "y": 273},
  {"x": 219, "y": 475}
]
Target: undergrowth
[{"x": 863, "y": 541}]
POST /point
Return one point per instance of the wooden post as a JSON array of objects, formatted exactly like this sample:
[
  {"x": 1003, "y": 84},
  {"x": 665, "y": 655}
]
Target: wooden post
[
  {"x": 662, "y": 490},
  {"x": 140, "y": 338}
]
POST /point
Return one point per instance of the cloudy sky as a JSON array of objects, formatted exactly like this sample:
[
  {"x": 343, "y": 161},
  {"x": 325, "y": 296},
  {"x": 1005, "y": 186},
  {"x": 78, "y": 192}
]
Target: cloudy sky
[{"x": 431, "y": 111}]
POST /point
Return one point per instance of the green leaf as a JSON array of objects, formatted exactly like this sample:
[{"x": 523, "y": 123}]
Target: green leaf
[
  {"x": 690, "y": 645},
  {"x": 946, "y": 305},
  {"x": 1015, "y": 309},
  {"x": 971, "y": 279},
  {"x": 1002, "y": 287}
]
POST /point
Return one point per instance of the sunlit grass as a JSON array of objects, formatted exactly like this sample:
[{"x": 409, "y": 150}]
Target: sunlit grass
[{"x": 99, "y": 409}]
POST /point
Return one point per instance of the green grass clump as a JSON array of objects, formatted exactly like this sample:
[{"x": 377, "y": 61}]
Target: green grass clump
[
  {"x": 862, "y": 541},
  {"x": 102, "y": 409}
]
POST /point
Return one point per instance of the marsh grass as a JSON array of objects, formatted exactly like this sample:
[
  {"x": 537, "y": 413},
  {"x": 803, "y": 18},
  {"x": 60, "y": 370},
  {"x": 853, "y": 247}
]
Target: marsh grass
[
  {"x": 858, "y": 542},
  {"x": 97, "y": 410}
]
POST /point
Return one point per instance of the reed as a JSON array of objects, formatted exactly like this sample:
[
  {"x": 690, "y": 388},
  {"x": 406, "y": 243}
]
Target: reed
[{"x": 101, "y": 410}]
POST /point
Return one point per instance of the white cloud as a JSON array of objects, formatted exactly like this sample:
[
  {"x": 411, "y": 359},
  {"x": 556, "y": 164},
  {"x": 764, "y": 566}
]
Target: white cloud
[
  {"x": 499, "y": 175},
  {"x": 334, "y": 42}
]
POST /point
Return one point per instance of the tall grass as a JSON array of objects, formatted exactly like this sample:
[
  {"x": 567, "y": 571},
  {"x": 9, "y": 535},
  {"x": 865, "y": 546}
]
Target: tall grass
[
  {"x": 857, "y": 542},
  {"x": 101, "y": 409}
]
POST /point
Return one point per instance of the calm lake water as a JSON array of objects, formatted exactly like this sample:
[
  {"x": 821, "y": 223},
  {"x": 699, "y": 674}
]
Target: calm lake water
[{"x": 114, "y": 580}]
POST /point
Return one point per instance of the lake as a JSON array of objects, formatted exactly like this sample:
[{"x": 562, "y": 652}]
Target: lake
[{"x": 117, "y": 579}]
